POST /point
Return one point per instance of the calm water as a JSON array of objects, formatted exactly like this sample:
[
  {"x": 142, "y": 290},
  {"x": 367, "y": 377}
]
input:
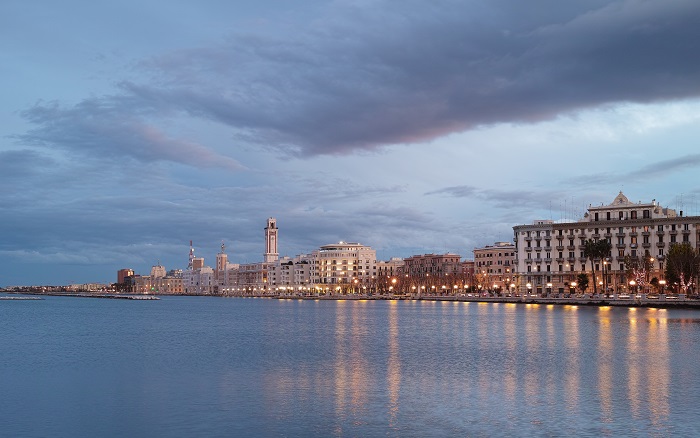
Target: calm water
[{"x": 194, "y": 366}]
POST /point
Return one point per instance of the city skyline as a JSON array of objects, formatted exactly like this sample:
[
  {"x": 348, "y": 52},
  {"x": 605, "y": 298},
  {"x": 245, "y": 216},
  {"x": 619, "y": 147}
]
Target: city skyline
[{"x": 130, "y": 130}]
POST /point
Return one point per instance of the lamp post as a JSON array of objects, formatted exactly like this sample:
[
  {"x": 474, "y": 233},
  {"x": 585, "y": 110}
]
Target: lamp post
[
  {"x": 529, "y": 288},
  {"x": 573, "y": 287},
  {"x": 632, "y": 286},
  {"x": 549, "y": 289}
]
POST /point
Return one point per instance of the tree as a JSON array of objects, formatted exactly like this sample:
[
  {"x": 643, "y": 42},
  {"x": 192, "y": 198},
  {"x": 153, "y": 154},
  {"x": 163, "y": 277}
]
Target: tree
[
  {"x": 596, "y": 250},
  {"x": 582, "y": 282},
  {"x": 682, "y": 265},
  {"x": 638, "y": 269}
]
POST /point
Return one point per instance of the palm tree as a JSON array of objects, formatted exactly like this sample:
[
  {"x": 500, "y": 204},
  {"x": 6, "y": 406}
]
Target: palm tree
[{"x": 596, "y": 250}]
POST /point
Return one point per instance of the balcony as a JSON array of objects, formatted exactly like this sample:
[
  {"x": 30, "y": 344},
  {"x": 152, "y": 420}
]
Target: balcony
[
  {"x": 660, "y": 244},
  {"x": 686, "y": 231},
  {"x": 620, "y": 246},
  {"x": 608, "y": 235},
  {"x": 646, "y": 244},
  {"x": 528, "y": 239},
  {"x": 646, "y": 233},
  {"x": 547, "y": 248},
  {"x": 620, "y": 234},
  {"x": 560, "y": 248},
  {"x": 673, "y": 231},
  {"x": 633, "y": 233},
  {"x": 596, "y": 236},
  {"x": 571, "y": 247},
  {"x": 538, "y": 260},
  {"x": 549, "y": 260},
  {"x": 572, "y": 259},
  {"x": 528, "y": 261},
  {"x": 660, "y": 233},
  {"x": 528, "y": 248},
  {"x": 570, "y": 236},
  {"x": 560, "y": 259}
]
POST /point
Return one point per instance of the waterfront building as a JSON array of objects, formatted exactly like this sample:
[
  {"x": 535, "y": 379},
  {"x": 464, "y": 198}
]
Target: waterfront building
[
  {"x": 248, "y": 278},
  {"x": 289, "y": 273},
  {"x": 550, "y": 255},
  {"x": 159, "y": 282},
  {"x": 390, "y": 268},
  {"x": 123, "y": 274},
  {"x": 345, "y": 265},
  {"x": 494, "y": 265},
  {"x": 427, "y": 265}
]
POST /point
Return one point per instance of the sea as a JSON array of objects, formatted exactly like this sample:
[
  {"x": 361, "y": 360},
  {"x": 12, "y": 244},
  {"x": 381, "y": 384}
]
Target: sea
[{"x": 255, "y": 367}]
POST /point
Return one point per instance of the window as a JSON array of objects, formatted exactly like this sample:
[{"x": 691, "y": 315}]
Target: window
[
  {"x": 621, "y": 230},
  {"x": 661, "y": 239},
  {"x": 596, "y": 217},
  {"x": 620, "y": 215},
  {"x": 571, "y": 254},
  {"x": 548, "y": 268},
  {"x": 634, "y": 253},
  {"x": 686, "y": 227},
  {"x": 561, "y": 255},
  {"x": 673, "y": 227},
  {"x": 561, "y": 268},
  {"x": 660, "y": 228},
  {"x": 633, "y": 240},
  {"x": 645, "y": 239},
  {"x": 608, "y": 215},
  {"x": 620, "y": 252},
  {"x": 634, "y": 215},
  {"x": 673, "y": 238},
  {"x": 685, "y": 238},
  {"x": 620, "y": 240},
  {"x": 661, "y": 251}
]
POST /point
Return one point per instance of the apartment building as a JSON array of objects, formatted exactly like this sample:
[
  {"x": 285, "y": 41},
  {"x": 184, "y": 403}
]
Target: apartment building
[{"x": 549, "y": 255}]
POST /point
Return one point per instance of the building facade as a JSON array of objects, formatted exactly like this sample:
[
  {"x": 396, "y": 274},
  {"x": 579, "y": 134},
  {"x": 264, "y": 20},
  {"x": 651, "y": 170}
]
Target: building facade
[
  {"x": 494, "y": 267},
  {"x": 550, "y": 255}
]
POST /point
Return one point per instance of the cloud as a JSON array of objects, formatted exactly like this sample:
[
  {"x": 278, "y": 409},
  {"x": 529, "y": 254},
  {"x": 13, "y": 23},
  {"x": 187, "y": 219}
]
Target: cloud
[
  {"x": 503, "y": 198},
  {"x": 362, "y": 76},
  {"x": 654, "y": 170},
  {"x": 107, "y": 127},
  {"x": 370, "y": 76}
]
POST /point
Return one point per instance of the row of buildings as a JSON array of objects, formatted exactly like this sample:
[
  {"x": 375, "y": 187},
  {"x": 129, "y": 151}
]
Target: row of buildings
[{"x": 544, "y": 257}]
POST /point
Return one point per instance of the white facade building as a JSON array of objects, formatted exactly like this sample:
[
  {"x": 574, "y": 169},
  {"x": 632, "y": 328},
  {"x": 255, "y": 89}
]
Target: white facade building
[{"x": 550, "y": 255}]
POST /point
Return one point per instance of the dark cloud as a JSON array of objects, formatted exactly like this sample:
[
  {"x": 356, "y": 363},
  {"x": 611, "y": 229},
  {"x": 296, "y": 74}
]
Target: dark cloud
[
  {"x": 379, "y": 76},
  {"x": 109, "y": 128},
  {"x": 365, "y": 76}
]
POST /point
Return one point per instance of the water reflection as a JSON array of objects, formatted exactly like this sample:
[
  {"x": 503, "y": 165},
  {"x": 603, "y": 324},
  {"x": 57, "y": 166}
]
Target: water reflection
[
  {"x": 394, "y": 364},
  {"x": 605, "y": 357},
  {"x": 573, "y": 367}
]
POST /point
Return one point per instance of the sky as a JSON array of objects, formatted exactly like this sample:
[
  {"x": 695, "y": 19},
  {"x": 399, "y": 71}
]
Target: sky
[{"x": 129, "y": 128}]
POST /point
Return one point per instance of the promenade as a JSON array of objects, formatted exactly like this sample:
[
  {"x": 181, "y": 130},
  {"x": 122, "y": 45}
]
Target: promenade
[{"x": 656, "y": 301}]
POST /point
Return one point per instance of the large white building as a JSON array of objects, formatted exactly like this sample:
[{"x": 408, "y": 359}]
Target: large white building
[
  {"x": 344, "y": 263},
  {"x": 549, "y": 255}
]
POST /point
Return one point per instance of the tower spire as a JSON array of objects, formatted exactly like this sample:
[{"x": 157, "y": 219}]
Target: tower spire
[{"x": 191, "y": 262}]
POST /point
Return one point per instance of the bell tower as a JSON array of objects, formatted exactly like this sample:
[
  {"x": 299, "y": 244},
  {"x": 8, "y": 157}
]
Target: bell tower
[{"x": 271, "y": 254}]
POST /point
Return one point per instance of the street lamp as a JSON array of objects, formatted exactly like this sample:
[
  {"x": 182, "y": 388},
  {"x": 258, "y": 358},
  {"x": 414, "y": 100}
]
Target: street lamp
[
  {"x": 573, "y": 286},
  {"x": 549, "y": 289},
  {"x": 632, "y": 286},
  {"x": 529, "y": 288}
]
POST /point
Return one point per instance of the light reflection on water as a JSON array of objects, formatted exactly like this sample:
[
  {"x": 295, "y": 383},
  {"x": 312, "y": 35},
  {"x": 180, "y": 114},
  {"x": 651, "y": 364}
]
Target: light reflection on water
[{"x": 242, "y": 367}]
